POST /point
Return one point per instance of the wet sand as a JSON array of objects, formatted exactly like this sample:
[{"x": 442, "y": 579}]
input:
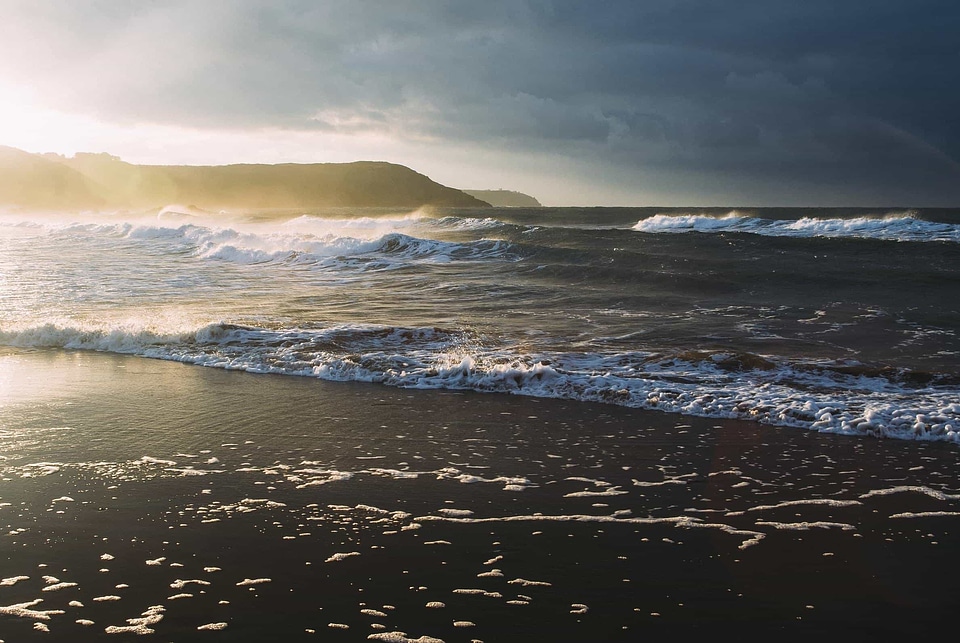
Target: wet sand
[{"x": 140, "y": 497}]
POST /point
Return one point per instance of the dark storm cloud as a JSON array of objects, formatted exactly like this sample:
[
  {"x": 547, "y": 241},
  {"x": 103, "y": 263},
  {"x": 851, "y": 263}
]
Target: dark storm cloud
[{"x": 847, "y": 96}]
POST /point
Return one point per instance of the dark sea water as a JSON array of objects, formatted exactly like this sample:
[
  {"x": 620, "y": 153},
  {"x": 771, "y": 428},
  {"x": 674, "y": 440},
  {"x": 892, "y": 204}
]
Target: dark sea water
[
  {"x": 141, "y": 497},
  {"x": 834, "y": 320}
]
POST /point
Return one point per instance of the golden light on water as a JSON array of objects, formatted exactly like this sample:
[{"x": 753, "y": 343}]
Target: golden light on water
[
  {"x": 20, "y": 383},
  {"x": 6, "y": 377}
]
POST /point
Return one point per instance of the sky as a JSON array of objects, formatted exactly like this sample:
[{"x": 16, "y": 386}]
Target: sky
[{"x": 600, "y": 102}]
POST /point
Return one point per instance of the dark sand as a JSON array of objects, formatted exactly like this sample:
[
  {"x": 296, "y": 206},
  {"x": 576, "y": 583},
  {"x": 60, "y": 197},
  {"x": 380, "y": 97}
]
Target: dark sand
[{"x": 588, "y": 523}]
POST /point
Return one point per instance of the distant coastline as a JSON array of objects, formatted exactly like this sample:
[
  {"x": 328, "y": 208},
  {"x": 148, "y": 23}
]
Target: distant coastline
[
  {"x": 101, "y": 181},
  {"x": 505, "y": 198}
]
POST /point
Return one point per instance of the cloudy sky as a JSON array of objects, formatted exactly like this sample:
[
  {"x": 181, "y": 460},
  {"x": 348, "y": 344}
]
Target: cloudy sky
[{"x": 609, "y": 102}]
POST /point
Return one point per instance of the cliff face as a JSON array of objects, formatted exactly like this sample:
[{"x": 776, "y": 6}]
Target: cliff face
[
  {"x": 101, "y": 180},
  {"x": 505, "y": 198}
]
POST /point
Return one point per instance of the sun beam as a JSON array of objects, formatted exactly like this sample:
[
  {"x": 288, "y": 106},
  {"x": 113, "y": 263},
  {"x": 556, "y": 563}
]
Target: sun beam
[{"x": 26, "y": 125}]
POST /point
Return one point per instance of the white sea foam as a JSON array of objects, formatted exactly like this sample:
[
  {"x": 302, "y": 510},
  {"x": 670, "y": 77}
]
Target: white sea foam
[
  {"x": 455, "y": 512},
  {"x": 179, "y": 257},
  {"x": 151, "y": 460},
  {"x": 825, "y": 502},
  {"x": 905, "y": 227},
  {"x": 13, "y": 580},
  {"x": 334, "y": 558},
  {"x": 141, "y": 625},
  {"x": 523, "y": 582},
  {"x": 493, "y": 573},
  {"x": 401, "y": 637},
  {"x": 24, "y": 610},
  {"x": 927, "y": 491},
  {"x": 305, "y": 241},
  {"x": 180, "y": 583},
  {"x": 213, "y": 626},
  {"x": 689, "y": 222},
  {"x": 374, "y": 613},
  {"x": 926, "y": 514},
  {"x": 608, "y": 491},
  {"x": 806, "y": 525},
  {"x": 682, "y": 522},
  {"x": 58, "y": 586},
  {"x": 431, "y": 358}
]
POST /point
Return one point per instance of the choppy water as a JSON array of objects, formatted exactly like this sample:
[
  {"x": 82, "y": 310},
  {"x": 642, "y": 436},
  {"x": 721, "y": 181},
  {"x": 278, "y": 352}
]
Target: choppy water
[{"x": 833, "y": 320}]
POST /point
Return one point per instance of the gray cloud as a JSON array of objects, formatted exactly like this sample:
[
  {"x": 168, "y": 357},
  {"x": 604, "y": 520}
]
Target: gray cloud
[{"x": 855, "y": 99}]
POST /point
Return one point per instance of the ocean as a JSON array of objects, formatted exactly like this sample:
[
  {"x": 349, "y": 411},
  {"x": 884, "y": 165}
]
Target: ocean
[
  {"x": 833, "y": 320},
  {"x": 563, "y": 424}
]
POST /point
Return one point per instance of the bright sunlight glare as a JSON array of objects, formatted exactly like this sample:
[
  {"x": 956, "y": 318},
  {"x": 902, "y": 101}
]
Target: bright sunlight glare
[{"x": 27, "y": 125}]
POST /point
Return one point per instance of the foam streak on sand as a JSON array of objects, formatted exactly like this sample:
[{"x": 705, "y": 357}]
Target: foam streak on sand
[
  {"x": 13, "y": 580},
  {"x": 57, "y": 586},
  {"x": 926, "y": 514},
  {"x": 804, "y": 526},
  {"x": 685, "y": 522},
  {"x": 23, "y": 610},
  {"x": 826, "y": 502},
  {"x": 401, "y": 637},
  {"x": 341, "y": 556},
  {"x": 180, "y": 584},
  {"x": 213, "y": 626},
  {"x": 927, "y": 491},
  {"x": 141, "y": 625}
]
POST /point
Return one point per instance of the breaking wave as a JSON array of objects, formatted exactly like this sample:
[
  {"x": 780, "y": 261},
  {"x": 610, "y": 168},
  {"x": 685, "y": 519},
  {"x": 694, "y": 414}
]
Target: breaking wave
[
  {"x": 305, "y": 240},
  {"x": 828, "y": 397},
  {"x": 905, "y": 227}
]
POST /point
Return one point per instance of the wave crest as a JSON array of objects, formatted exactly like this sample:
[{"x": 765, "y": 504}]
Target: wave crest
[
  {"x": 379, "y": 243},
  {"x": 834, "y": 398},
  {"x": 901, "y": 227}
]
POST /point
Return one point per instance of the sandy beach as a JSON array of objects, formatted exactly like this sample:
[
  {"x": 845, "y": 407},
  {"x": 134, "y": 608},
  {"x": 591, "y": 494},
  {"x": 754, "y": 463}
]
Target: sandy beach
[
  {"x": 523, "y": 320},
  {"x": 148, "y": 497}
]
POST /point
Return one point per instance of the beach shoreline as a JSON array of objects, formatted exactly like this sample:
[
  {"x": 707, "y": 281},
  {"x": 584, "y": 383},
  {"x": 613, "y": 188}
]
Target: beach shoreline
[{"x": 370, "y": 507}]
